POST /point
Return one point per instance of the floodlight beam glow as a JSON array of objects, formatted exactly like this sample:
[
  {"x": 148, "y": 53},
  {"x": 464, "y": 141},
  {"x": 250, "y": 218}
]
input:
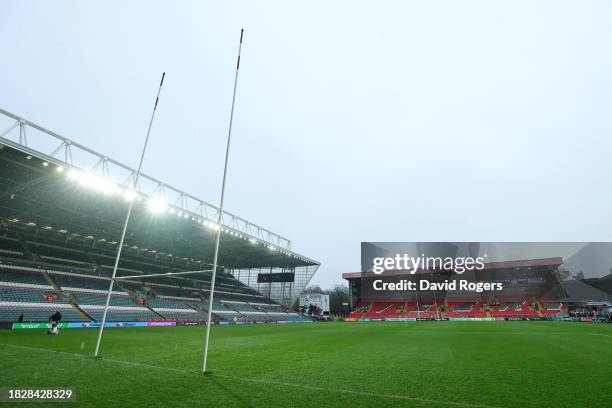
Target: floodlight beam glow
[
  {"x": 157, "y": 205},
  {"x": 93, "y": 181},
  {"x": 129, "y": 195}
]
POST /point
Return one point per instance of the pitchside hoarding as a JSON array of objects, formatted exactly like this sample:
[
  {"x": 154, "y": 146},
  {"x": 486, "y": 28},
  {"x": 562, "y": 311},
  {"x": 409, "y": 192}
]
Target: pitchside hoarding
[{"x": 78, "y": 325}]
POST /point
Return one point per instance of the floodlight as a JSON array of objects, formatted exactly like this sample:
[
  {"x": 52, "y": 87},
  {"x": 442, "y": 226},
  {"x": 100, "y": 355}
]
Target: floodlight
[
  {"x": 85, "y": 179},
  {"x": 157, "y": 205},
  {"x": 129, "y": 195},
  {"x": 74, "y": 174},
  {"x": 106, "y": 186},
  {"x": 97, "y": 183}
]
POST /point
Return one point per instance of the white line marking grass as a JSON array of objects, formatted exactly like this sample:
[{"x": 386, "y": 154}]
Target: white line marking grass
[
  {"x": 600, "y": 334},
  {"x": 262, "y": 381}
]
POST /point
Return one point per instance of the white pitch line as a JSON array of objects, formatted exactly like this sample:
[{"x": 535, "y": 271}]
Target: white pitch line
[
  {"x": 261, "y": 381},
  {"x": 600, "y": 334},
  {"x": 109, "y": 360},
  {"x": 354, "y": 392}
]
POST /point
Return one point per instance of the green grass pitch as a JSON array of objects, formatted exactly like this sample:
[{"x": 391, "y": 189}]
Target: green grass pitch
[{"x": 374, "y": 364}]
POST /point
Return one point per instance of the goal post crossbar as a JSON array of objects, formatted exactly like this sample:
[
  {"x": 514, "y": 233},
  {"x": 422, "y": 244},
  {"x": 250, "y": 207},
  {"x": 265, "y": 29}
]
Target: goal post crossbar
[{"x": 162, "y": 274}]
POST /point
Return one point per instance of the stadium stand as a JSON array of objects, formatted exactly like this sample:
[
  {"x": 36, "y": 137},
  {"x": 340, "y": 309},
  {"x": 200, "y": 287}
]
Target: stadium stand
[
  {"x": 533, "y": 289},
  {"x": 42, "y": 279},
  {"x": 38, "y": 279},
  {"x": 59, "y": 232},
  {"x": 36, "y": 289}
]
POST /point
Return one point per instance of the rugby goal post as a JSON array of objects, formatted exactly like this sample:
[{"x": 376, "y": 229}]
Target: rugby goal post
[{"x": 114, "y": 276}]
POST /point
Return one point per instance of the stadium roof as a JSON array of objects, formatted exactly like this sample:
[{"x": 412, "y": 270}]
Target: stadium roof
[
  {"x": 84, "y": 195},
  {"x": 577, "y": 291}
]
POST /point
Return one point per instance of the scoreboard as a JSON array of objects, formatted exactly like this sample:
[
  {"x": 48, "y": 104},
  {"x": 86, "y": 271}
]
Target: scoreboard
[{"x": 275, "y": 277}]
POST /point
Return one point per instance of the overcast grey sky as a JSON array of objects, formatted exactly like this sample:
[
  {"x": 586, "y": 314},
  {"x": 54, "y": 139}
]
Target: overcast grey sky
[{"x": 355, "y": 121}]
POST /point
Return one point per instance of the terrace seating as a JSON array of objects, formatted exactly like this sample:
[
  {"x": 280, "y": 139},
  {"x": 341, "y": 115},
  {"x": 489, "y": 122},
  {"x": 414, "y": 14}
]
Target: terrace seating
[
  {"x": 183, "y": 314},
  {"x": 383, "y": 310},
  {"x": 166, "y": 290},
  {"x": 116, "y": 314},
  {"x": 465, "y": 309},
  {"x": 36, "y": 313},
  {"x": 240, "y": 307},
  {"x": 20, "y": 294},
  {"x": 269, "y": 308},
  {"x": 58, "y": 255},
  {"x": 30, "y": 294},
  {"x": 554, "y": 308},
  {"x": 220, "y": 306},
  {"x": 360, "y": 309},
  {"x": 84, "y": 279},
  {"x": 10, "y": 274},
  {"x": 72, "y": 281},
  {"x": 132, "y": 284},
  {"x": 514, "y": 309},
  {"x": 288, "y": 317},
  {"x": 420, "y": 310},
  {"x": 167, "y": 303},
  {"x": 85, "y": 298},
  {"x": 10, "y": 247}
]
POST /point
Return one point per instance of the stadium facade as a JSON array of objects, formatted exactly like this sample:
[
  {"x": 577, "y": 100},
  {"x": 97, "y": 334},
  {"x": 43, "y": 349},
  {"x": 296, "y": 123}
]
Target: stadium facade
[
  {"x": 62, "y": 206},
  {"x": 539, "y": 281}
]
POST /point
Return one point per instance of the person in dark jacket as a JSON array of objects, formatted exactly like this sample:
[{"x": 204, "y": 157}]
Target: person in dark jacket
[{"x": 55, "y": 318}]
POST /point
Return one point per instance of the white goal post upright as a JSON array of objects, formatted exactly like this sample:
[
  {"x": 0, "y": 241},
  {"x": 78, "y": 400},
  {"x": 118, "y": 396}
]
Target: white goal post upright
[
  {"x": 220, "y": 218},
  {"x": 127, "y": 219}
]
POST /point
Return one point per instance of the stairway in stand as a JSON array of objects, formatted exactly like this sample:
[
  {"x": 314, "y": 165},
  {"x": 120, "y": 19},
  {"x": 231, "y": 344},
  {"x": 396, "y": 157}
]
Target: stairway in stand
[
  {"x": 540, "y": 307},
  {"x": 136, "y": 300},
  {"x": 368, "y": 309},
  {"x": 69, "y": 296}
]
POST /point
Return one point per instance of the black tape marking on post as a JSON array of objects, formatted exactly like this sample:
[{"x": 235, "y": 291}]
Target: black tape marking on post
[
  {"x": 160, "y": 85},
  {"x": 238, "y": 61}
]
